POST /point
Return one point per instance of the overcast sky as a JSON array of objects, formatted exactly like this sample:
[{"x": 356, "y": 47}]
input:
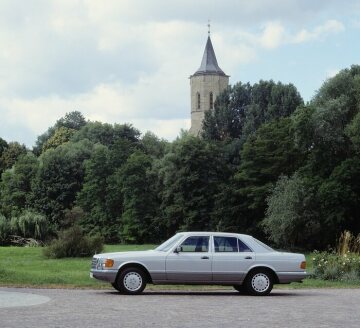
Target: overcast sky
[{"x": 130, "y": 60}]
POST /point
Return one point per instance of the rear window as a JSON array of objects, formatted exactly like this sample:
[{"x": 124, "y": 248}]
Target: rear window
[
  {"x": 230, "y": 244},
  {"x": 225, "y": 244},
  {"x": 243, "y": 247}
]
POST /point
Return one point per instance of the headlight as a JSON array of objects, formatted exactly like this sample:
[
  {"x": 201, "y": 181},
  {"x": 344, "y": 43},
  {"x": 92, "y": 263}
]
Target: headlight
[{"x": 104, "y": 264}]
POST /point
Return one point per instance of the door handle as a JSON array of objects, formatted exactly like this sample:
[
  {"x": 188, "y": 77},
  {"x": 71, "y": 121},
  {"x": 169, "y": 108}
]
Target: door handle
[
  {"x": 204, "y": 257},
  {"x": 248, "y": 258}
]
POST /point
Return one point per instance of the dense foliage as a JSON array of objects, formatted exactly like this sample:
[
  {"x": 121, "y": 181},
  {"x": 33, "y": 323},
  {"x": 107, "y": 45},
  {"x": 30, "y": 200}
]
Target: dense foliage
[
  {"x": 267, "y": 164},
  {"x": 73, "y": 242}
]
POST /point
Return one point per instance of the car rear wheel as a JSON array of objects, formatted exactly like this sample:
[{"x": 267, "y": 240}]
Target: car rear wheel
[
  {"x": 259, "y": 282},
  {"x": 131, "y": 281}
]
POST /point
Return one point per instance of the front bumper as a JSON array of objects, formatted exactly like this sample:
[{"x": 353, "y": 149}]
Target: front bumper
[
  {"x": 286, "y": 277},
  {"x": 104, "y": 275}
]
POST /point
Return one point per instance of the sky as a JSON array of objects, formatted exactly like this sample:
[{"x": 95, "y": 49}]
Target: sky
[{"x": 129, "y": 61}]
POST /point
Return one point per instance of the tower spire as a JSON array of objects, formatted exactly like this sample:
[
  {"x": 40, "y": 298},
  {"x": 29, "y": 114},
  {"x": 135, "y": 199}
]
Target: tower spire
[{"x": 209, "y": 63}]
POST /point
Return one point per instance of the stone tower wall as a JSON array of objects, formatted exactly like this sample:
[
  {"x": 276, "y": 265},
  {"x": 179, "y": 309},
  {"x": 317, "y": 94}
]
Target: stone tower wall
[{"x": 204, "y": 85}]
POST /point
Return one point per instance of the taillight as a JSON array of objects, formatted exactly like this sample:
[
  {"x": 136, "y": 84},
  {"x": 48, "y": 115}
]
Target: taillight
[{"x": 303, "y": 265}]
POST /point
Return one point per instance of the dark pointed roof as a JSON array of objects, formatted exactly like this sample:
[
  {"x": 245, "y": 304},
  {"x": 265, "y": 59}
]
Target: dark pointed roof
[{"x": 209, "y": 63}]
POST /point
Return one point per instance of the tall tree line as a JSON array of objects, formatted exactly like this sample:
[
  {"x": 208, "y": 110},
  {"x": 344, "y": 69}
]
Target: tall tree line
[{"x": 266, "y": 164}]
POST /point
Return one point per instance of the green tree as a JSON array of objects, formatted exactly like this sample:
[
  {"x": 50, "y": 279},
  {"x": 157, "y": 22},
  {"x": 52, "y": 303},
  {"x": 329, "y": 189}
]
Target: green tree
[
  {"x": 242, "y": 109},
  {"x": 292, "y": 217},
  {"x": 339, "y": 197},
  {"x": 15, "y": 185},
  {"x": 266, "y": 155},
  {"x": 71, "y": 121},
  {"x": 107, "y": 134},
  {"x": 153, "y": 146},
  {"x": 60, "y": 136},
  {"x": 30, "y": 224},
  {"x": 3, "y": 146},
  {"x": 226, "y": 121},
  {"x": 190, "y": 173},
  {"x": 326, "y": 134},
  {"x": 352, "y": 131},
  {"x": 10, "y": 155},
  {"x": 59, "y": 178},
  {"x": 100, "y": 198},
  {"x": 140, "y": 203},
  {"x": 5, "y": 230}
]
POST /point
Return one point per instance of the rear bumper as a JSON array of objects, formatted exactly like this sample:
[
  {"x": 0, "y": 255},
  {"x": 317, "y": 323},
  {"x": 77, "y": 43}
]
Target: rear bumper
[
  {"x": 104, "y": 275},
  {"x": 286, "y": 277}
]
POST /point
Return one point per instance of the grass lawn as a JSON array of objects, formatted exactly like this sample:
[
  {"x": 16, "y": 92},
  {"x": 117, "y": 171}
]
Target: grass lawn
[{"x": 27, "y": 267}]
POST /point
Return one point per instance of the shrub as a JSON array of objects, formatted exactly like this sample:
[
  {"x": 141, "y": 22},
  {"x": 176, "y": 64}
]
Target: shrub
[
  {"x": 30, "y": 225},
  {"x": 73, "y": 243},
  {"x": 5, "y": 230},
  {"x": 331, "y": 266}
]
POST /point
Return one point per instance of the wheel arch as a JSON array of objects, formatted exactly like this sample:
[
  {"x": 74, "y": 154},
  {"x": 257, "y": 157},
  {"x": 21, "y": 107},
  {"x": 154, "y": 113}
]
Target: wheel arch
[
  {"x": 137, "y": 265},
  {"x": 266, "y": 268}
]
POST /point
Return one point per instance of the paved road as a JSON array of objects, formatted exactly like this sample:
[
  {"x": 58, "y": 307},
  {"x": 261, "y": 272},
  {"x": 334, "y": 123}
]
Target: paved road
[{"x": 94, "y": 308}]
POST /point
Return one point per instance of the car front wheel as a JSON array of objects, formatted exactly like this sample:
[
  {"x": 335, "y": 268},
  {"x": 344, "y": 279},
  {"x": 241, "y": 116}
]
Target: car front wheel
[
  {"x": 241, "y": 289},
  {"x": 259, "y": 282},
  {"x": 131, "y": 281}
]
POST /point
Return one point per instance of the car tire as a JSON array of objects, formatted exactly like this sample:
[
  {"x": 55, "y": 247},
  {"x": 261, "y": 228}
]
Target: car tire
[
  {"x": 241, "y": 289},
  {"x": 115, "y": 285},
  {"x": 259, "y": 282},
  {"x": 130, "y": 281}
]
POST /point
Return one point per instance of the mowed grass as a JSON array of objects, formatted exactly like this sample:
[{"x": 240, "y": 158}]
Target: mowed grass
[{"x": 27, "y": 267}]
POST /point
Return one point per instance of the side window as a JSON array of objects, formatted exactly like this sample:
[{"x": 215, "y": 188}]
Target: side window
[
  {"x": 195, "y": 244},
  {"x": 225, "y": 244},
  {"x": 211, "y": 100},
  {"x": 243, "y": 247}
]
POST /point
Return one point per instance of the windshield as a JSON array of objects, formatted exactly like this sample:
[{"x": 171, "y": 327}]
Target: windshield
[
  {"x": 264, "y": 245},
  {"x": 165, "y": 246}
]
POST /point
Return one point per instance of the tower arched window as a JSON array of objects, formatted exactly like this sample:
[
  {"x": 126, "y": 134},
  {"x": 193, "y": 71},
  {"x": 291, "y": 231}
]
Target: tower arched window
[
  {"x": 211, "y": 101},
  {"x": 198, "y": 100}
]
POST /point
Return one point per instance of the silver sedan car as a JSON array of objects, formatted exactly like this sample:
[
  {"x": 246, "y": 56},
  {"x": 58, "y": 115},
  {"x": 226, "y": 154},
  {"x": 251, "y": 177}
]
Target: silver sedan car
[{"x": 209, "y": 258}]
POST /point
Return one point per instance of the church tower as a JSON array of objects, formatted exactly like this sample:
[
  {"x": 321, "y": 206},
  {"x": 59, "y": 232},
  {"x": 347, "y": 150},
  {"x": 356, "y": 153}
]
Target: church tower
[{"x": 206, "y": 84}]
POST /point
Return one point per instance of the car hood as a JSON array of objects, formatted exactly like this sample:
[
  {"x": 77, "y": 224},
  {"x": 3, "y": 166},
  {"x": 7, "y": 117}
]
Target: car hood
[{"x": 129, "y": 254}]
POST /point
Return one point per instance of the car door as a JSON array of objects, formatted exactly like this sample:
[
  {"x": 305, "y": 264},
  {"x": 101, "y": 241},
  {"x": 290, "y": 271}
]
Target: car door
[
  {"x": 231, "y": 259},
  {"x": 192, "y": 261}
]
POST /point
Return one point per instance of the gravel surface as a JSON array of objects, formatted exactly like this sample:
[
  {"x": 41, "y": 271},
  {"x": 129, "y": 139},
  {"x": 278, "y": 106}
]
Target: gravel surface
[{"x": 105, "y": 308}]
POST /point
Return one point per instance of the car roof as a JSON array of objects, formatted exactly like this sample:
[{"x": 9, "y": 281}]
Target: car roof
[{"x": 201, "y": 233}]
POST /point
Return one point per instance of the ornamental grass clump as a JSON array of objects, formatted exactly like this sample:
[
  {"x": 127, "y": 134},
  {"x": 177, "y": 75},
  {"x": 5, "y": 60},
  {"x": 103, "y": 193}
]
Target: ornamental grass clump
[{"x": 348, "y": 243}]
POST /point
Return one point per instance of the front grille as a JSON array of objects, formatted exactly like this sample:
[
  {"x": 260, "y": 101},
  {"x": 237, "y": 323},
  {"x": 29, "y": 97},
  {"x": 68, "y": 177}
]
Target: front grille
[{"x": 93, "y": 263}]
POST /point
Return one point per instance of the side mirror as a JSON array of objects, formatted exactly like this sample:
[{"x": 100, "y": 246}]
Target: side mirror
[{"x": 178, "y": 249}]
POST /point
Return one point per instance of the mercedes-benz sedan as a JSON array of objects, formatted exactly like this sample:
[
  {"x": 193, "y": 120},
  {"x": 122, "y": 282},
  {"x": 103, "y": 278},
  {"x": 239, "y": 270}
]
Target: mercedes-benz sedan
[{"x": 210, "y": 258}]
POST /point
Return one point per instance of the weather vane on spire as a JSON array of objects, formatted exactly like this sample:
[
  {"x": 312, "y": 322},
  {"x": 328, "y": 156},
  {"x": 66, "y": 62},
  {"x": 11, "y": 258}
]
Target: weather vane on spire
[{"x": 208, "y": 27}]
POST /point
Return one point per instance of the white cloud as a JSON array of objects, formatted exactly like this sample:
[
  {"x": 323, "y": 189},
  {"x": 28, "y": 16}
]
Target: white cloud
[
  {"x": 273, "y": 35},
  {"x": 329, "y": 27}
]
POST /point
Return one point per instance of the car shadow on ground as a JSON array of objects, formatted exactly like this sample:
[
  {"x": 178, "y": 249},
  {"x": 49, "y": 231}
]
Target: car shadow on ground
[{"x": 275, "y": 293}]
